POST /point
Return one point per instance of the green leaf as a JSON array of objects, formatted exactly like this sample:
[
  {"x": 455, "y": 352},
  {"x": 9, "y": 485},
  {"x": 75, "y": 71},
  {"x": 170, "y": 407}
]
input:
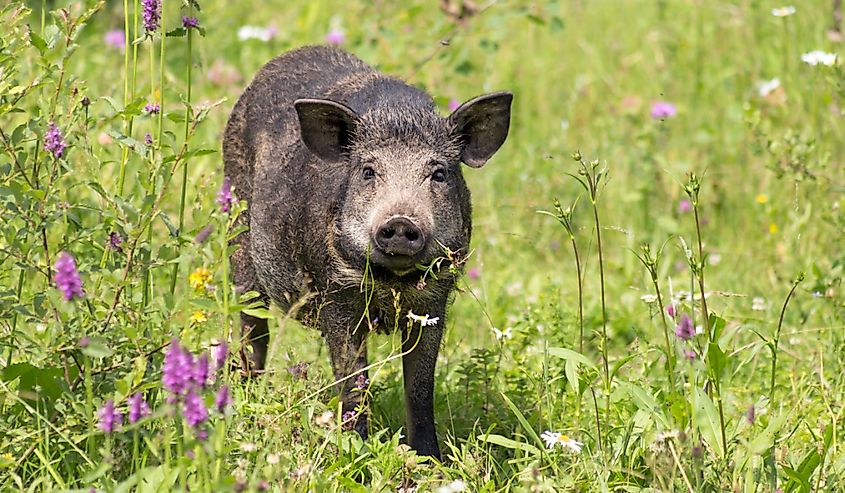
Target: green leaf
[
  {"x": 716, "y": 359},
  {"x": 97, "y": 349},
  {"x": 568, "y": 354},
  {"x": 38, "y": 42},
  {"x": 261, "y": 313},
  {"x": 706, "y": 418},
  {"x": 766, "y": 439},
  {"x": 529, "y": 430},
  {"x": 511, "y": 444}
]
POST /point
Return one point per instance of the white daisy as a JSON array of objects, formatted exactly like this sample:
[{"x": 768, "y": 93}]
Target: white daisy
[
  {"x": 423, "y": 320},
  {"x": 767, "y": 86},
  {"x": 649, "y": 298},
  {"x": 783, "y": 11},
  {"x": 553, "y": 438},
  {"x": 254, "y": 32},
  {"x": 455, "y": 486},
  {"x": 817, "y": 57},
  {"x": 759, "y": 304},
  {"x": 502, "y": 334}
]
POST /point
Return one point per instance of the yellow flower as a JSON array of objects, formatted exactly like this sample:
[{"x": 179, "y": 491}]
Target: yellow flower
[
  {"x": 198, "y": 318},
  {"x": 773, "y": 228},
  {"x": 199, "y": 278},
  {"x": 762, "y": 198}
]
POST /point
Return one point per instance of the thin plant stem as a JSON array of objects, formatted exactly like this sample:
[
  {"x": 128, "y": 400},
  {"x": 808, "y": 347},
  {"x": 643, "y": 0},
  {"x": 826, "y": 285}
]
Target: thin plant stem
[
  {"x": 184, "y": 190},
  {"x": 680, "y": 468},
  {"x": 603, "y": 311},
  {"x": 580, "y": 295},
  {"x": 776, "y": 340}
]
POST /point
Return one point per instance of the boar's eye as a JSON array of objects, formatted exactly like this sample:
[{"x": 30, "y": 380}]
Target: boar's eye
[
  {"x": 438, "y": 175},
  {"x": 368, "y": 173}
]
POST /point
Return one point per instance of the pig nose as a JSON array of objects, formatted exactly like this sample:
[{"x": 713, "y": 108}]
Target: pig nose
[{"x": 400, "y": 236}]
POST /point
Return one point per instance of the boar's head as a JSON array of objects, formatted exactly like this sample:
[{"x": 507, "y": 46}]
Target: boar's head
[{"x": 403, "y": 197}]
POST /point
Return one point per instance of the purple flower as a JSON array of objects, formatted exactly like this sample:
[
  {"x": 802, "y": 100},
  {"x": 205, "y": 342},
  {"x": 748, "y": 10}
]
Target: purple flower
[
  {"x": 177, "y": 369},
  {"x": 663, "y": 109},
  {"x": 335, "y": 37},
  {"x": 67, "y": 278},
  {"x": 53, "y": 141},
  {"x": 204, "y": 234},
  {"x": 193, "y": 410},
  {"x": 474, "y": 273},
  {"x": 84, "y": 341},
  {"x": 199, "y": 371},
  {"x": 222, "y": 399},
  {"x": 690, "y": 354},
  {"x": 109, "y": 418},
  {"x": 148, "y": 138},
  {"x": 751, "y": 414},
  {"x": 190, "y": 22},
  {"x": 115, "y": 240},
  {"x": 219, "y": 353},
  {"x": 453, "y": 104},
  {"x": 138, "y": 407},
  {"x": 152, "y": 14},
  {"x": 299, "y": 370},
  {"x": 685, "y": 329},
  {"x": 116, "y": 38},
  {"x": 152, "y": 108},
  {"x": 670, "y": 310},
  {"x": 348, "y": 420},
  {"x": 224, "y": 196},
  {"x": 684, "y": 206},
  {"x": 361, "y": 382}
]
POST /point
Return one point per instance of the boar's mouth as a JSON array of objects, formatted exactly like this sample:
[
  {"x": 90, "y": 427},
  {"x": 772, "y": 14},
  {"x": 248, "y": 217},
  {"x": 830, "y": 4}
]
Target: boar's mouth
[{"x": 396, "y": 265}]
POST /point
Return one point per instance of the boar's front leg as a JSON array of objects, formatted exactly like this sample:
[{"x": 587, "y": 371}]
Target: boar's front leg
[
  {"x": 421, "y": 345},
  {"x": 347, "y": 342},
  {"x": 255, "y": 334}
]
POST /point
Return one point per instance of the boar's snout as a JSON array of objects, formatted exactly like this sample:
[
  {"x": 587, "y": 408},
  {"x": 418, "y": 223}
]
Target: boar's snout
[{"x": 399, "y": 239}]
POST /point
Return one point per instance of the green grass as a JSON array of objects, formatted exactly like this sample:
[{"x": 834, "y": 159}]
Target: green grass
[{"x": 584, "y": 76}]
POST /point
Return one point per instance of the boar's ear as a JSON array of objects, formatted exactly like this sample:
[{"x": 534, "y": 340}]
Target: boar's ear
[
  {"x": 482, "y": 125},
  {"x": 325, "y": 127}
]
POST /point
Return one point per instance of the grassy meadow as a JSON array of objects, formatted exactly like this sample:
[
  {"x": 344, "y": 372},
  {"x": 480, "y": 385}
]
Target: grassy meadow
[{"x": 694, "y": 343}]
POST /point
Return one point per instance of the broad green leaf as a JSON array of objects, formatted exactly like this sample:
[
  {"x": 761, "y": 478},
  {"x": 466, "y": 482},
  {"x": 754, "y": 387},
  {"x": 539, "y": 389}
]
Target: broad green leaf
[
  {"x": 706, "y": 418},
  {"x": 522, "y": 421}
]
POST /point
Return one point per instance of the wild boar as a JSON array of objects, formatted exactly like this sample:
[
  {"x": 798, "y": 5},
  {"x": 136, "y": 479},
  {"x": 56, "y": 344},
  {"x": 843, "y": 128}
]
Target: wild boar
[{"x": 354, "y": 188}]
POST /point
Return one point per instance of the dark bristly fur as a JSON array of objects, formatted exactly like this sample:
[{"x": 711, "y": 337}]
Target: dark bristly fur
[{"x": 346, "y": 171}]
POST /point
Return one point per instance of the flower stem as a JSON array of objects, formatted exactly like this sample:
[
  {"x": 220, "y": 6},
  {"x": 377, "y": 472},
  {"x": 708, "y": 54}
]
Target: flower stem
[
  {"x": 774, "y": 346},
  {"x": 190, "y": 35}
]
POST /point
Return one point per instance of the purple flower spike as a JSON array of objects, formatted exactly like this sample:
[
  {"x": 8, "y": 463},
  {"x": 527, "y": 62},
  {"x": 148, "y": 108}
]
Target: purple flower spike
[
  {"x": 152, "y": 14},
  {"x": 453, "y": 104},
  {"x": 751, "y": 414},
  {"x": 663, "y": 109},
  {"x": 224, "y": 196},
  {"x": 219, "y": 353},
  {"x": 190, "y": 22},
  {"x": 684, "y": 206},
  {"x": 685, "y": 329},
  {"x": 115, "y": 240},
  {"x": 148, "y": 138},
  {"x": 194, "y": 410},
  {"x": 109, "y": 418},
  {"x": 67, "y": 278},
  {"x": 177, "y": 369},
  {"x": 670, "y": 310},
  {"x": 152, "y": 108},
  {"x": 335, "y": 37},
  {"x": 222, "y": 399},
  {"x": 116, "y": 38},
  {"x": 361, "y": 382},
  {"x": 53, "y": 141},
  {"x": 348, "y": 420},
  {"x": 199, "y": 372},
  {"x": 138, "y": 408}
]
